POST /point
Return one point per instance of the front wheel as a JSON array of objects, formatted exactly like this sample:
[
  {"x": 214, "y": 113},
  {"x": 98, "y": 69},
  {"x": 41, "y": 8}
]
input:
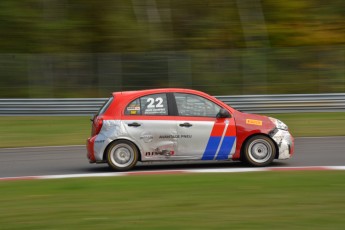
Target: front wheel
[
  {"x": 122, "y": 155},
  {"x": 259, "y": 151}
]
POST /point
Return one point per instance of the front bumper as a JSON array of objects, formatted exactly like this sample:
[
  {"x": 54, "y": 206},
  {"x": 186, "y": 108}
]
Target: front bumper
[{"x": 285, "y": 143}]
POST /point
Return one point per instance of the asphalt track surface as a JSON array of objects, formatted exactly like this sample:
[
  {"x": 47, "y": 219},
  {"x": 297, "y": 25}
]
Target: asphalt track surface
[{"x": 36, "y": 161}]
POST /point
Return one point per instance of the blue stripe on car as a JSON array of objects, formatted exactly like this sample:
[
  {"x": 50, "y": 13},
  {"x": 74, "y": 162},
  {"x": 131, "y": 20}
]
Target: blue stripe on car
[
  {"x": 211, "y": 148},
  {"x": 225, "y": 148}
]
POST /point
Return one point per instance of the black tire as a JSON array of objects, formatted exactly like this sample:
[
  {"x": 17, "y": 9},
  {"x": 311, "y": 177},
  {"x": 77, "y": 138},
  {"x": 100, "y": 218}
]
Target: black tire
[
  {"x": 259, "y": 151},
  {"x": 122, "y": 155}
]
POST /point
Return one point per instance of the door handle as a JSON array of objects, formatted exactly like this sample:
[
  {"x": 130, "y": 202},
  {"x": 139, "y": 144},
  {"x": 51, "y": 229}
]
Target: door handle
[
  {"x": 134, "y": 124},
  {"x": 186, "y": 124}
]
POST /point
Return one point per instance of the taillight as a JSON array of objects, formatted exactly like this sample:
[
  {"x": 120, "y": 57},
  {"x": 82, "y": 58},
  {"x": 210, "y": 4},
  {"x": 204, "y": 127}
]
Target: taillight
[{"x": 97, "y": 126}]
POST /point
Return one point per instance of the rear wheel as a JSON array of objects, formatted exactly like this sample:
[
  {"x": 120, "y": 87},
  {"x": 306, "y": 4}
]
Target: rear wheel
[
  {"x": 259, "y": 151},
  {"x": 122, "y": 155}
]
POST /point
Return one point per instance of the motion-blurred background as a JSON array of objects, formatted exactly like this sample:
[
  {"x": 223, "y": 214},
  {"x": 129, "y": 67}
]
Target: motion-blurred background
[
  {"x": 78, "y": 48},
  {"x": 89, "y": 48}
]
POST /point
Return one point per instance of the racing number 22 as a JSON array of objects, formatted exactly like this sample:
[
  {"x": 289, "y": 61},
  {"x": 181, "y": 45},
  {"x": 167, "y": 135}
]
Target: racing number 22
[{"x": 152, "y": 101}]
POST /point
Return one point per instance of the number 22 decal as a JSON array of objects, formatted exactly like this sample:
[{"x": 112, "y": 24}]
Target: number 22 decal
[{"x": 152, "y": 101}]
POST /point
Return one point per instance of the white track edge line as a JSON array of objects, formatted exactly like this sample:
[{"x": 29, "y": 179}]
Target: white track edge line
[{"x": 221, "y": 170}]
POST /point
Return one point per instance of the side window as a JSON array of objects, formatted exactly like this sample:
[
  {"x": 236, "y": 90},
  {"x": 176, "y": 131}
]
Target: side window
[
  {"x": 155, "y": 105},
  {"x": 133, "y": 108},
  {"x": 192, "y": 105}
]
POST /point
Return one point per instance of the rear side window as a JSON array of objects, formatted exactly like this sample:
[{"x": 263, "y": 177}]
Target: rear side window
[
  {"x": 105, "y": 106},
  {"x": 133, "y": 108},
  {"x": 151, "y": 105}
]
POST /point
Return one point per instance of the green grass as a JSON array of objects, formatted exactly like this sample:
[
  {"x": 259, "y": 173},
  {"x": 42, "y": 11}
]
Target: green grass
[
  {"x": 44, "y": 131},
  {"x": 314, "y": 124},
  {"x": 267, "y": 200}
]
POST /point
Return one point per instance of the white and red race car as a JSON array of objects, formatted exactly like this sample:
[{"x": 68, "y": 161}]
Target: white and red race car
[{"x": 182, "y": 124}]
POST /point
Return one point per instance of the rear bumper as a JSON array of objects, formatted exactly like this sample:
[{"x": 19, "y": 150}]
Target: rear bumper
[{"x": 90, "y": 144}]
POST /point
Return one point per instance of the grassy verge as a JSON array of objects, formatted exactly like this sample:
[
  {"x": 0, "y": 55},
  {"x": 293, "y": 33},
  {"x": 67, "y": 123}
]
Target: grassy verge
[
  {"x": 314, "y": 124},
  {"x": 44, "y": 131},
  {"x": 267, "y": 200}
]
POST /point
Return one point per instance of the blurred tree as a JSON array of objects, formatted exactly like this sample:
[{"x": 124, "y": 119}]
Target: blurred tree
[
  {"x": 146, "y": 25},
  {"x": 237, "y": 46}
]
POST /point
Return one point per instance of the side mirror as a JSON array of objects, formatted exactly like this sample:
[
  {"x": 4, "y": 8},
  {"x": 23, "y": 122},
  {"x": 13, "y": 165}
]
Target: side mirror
[{"x": 223, "y": 113}]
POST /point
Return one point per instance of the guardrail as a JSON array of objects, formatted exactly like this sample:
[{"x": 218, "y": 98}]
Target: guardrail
[
  {"x": 287, "y": 103},
  {"x": 280, "y": 103}
]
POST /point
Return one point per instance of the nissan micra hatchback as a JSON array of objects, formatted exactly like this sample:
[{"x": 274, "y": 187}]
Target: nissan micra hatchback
[{"x": 179, "y": 125}]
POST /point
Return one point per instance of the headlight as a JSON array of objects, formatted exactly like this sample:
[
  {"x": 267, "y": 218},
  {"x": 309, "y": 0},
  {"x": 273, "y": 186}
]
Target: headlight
[{"x": 279, "y": 124}]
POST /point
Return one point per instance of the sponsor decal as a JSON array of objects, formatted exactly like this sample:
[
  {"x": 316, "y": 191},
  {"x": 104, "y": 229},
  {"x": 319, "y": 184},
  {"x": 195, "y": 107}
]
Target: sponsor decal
[
  {"x": 152, "y": 154},
  {"x": 174, "y": 136},
  {"x": 160, "y": 153},
  {"x": 253, "y": 122},
  {"x": 155, "y": 111},
  {"x": 146, "y": 137},
  {"x": 133, "y": 108},
  {"x": 99, "y": 141}
]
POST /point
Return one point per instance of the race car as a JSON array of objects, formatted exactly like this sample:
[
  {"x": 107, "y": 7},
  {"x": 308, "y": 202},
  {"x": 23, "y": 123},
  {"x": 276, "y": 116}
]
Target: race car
[{"x": 181, "y": 125}]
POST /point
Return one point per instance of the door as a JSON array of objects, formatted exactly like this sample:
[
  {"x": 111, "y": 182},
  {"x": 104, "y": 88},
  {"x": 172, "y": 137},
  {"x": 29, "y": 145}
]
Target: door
[
  {"x": 200, "y": 134},
  {"x": 147, "y": 122}
]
